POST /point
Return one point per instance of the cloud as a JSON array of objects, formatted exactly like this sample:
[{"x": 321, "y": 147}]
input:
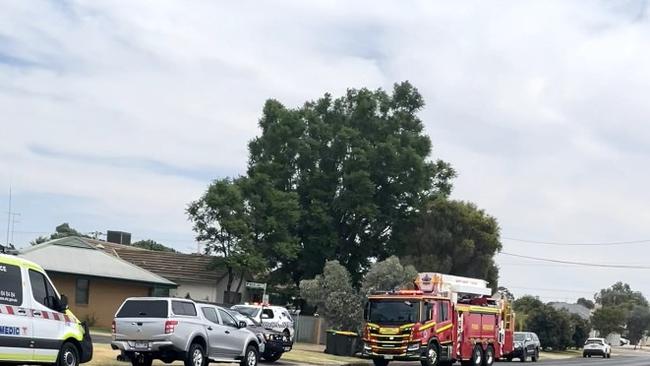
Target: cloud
[{"x": 130, "y": 108}]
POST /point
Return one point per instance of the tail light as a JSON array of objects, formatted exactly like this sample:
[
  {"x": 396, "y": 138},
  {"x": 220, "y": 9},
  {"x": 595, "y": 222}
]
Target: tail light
[
  {"x": 113, "y": 327},
  {"x": 170, "y": 326}
]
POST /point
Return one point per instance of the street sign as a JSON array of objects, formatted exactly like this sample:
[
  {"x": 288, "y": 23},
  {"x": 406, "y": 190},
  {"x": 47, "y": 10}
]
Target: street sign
[{"x": 255, "y": 285}]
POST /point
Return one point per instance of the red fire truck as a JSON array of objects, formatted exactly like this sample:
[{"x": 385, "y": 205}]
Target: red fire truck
[{"x": 444, "y": 320}]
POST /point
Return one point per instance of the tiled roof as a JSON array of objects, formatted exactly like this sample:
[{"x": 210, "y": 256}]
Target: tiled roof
[
  {"x": 77, "y": 255},
  {"x": 578, "y": 309},
  {"x": 177, "y": 267}
]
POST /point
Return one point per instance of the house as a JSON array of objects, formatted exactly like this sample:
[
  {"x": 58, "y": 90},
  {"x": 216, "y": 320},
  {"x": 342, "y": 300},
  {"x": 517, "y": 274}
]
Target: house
[
  {"x": 190, "y": 272},
  {"x": 580, "y": 310},
  {"x": 95, "y": 282}
]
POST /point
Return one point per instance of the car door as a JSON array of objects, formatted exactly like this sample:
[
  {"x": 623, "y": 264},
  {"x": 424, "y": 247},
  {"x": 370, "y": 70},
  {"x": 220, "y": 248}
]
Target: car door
[
  {"x": 216, "y": 333},
  {"x": 235, "y": 337},
  {"x": 49, "y": 322},
  {"x": 269, "y": 320},
  {"x": 16, "y": 326}
]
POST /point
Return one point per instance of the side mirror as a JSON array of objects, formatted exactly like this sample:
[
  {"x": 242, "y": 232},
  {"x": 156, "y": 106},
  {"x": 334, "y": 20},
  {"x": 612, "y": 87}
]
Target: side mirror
[
  {"x": 242, "y": 324},
  {"x": 365, "y": 311},
  {"x": 63, "y": 303}
]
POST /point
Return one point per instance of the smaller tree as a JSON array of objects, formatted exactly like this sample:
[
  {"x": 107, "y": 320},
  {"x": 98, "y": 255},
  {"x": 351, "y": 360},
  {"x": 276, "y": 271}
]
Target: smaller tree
[
  {"x": 62, "y": 231},
  {"x": 387, "y": 275},
  {"x": 609, "y": 319},
  {"x": 552, "y": 326},
  {"x": 638, "y": 323},
  {"x": 581, "y": 328},
  {"x": 586, "y": 303},
  {"x": 221, "y": 219},
  {"x": 152, "y": 245},
  {"x": 335, "y": 297}
]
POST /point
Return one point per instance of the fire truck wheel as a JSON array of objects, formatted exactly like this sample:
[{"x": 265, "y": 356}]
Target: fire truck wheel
[
  {"x": 488, "y": 360},
  {"x": 477, "y": 356},
  {"x": 433, "y": 355},
  {"x": 380, "y": 362}
]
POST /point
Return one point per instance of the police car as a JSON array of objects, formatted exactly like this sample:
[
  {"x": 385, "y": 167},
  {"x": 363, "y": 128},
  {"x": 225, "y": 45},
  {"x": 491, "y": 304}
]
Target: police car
[
  {"x": 275, "y": 318},
  {"x": 36, "y": 325}
]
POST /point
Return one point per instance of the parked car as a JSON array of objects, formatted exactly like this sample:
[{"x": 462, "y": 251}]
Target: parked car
[
  {"x": 272, "y": 317},
  {"x": 36, "y": 325},
  {"x": 597, "y": 347},
  {"x": 624, "y": 341},
  {"x": 275, "y": 343},
  {"x": 526, "y": 345},
  {"x": 170, "y": 329}
]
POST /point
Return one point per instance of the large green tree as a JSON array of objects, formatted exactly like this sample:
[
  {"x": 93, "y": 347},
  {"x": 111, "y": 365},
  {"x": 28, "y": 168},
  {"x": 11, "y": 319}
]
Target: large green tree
[
  {"x": 62, "y": 231},
  {"x": 453, "y": 237},
  {"x": 553, "y": 327},
  {"x": 221, "y": 219},
  {"x": 357, "y": 167}
]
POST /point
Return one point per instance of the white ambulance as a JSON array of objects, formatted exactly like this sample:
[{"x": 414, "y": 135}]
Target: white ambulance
[{"x": 36, "y": 325}]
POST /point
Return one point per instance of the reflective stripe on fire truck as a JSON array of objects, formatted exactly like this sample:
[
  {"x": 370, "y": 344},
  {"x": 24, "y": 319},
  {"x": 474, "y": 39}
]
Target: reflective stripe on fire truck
[{"x": 442, "y": 329}]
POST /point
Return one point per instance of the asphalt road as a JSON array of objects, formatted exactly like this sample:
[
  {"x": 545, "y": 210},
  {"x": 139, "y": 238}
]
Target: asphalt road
[{"x": 641, "y": 360}]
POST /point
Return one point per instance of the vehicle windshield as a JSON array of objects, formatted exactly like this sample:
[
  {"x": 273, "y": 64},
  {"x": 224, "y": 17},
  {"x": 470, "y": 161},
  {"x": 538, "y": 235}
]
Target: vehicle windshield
[
  {"x": 251, "y": 311},
  {"x": 245, "y": 318},
  {"x": 520, "y": 337},
  {"x": 394, "y": 312}
]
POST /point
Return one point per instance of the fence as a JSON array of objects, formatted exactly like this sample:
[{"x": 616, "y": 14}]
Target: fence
[{"x": 310, "y": 329}]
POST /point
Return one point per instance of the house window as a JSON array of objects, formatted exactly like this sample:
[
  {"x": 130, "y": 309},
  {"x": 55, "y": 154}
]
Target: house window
[
  {"x": 82, "y": 291},
  {"x": 159, "y": 292}
]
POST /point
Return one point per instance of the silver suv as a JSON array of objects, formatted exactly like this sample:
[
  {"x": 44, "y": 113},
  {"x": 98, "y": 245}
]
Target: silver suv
[{"x": 172, "y": 329}]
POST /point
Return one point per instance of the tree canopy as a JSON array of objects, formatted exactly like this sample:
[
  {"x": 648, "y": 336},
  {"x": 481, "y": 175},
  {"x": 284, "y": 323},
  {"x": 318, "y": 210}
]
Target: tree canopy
[
  {"x": 453, "y": 237},
  {"x": 357, "y": 166},
  {"x": 221, "y": 220},
  {"x": 152, "y": 245},
  {"x": 62, "y": 231}
]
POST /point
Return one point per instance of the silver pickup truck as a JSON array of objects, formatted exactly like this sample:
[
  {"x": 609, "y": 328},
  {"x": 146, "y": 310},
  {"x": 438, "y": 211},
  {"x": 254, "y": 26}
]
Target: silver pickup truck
[{"x": 169, "y": 329}]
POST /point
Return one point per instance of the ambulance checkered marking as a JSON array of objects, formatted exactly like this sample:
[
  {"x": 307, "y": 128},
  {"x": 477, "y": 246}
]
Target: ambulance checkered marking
[{"x": 47, "y": 315}]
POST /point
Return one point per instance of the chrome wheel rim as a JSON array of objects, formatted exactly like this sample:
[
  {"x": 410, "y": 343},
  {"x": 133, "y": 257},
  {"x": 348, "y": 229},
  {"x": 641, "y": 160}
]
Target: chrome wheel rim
[
  {"x": 252, "y": 359},
  {"x": 69, "y": 359},
  {"x": 489, "y": 357},
  {"x": 433, "y": 355},
  {"x": 477, "y": 357},
  {"x": 197, "y": 357}
]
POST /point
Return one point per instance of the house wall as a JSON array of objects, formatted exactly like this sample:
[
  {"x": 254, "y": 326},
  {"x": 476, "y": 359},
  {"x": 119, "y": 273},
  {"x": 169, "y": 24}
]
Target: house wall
[
  {"x": 206, "y": 291},
  {"x": 104, "y": 296},
  {"x": 196, "y": 291}
]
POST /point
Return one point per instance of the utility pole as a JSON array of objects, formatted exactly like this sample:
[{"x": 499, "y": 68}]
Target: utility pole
[
  {"x": 9, "y": 217},
  {"x": 13, "y": 225}
]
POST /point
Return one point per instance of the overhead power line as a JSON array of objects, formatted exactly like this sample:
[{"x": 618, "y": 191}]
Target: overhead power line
[
  {"x": 585, "y": 264},
  {"x": 557, "y": 243}
]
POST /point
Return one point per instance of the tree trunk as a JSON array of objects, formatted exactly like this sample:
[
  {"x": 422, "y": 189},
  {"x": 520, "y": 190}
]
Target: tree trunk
[
  {"x": 241, "y": 279},
  {"x": 229, "y": 286}
]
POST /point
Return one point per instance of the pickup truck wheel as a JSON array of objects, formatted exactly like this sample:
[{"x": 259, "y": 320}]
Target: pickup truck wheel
[
  {"x": 68, "y": 356},
  {"x": 272, "y": 356},
  {"x": 195, "y": 356},
  {"x": 141, "y": 360},
  {"x": 251, "y": 357}
]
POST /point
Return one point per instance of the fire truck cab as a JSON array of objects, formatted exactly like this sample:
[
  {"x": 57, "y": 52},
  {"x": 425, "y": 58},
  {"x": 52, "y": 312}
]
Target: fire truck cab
[{"x": 444, "y": 320}]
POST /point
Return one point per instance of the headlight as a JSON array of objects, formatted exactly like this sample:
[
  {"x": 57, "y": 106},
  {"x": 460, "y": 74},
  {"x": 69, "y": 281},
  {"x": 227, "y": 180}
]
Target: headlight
[{"x": 414, "y": 347}]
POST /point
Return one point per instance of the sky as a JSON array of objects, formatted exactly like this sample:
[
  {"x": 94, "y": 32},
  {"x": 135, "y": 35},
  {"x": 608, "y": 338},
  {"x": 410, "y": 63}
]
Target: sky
[{"x": 114, "y": 115}]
